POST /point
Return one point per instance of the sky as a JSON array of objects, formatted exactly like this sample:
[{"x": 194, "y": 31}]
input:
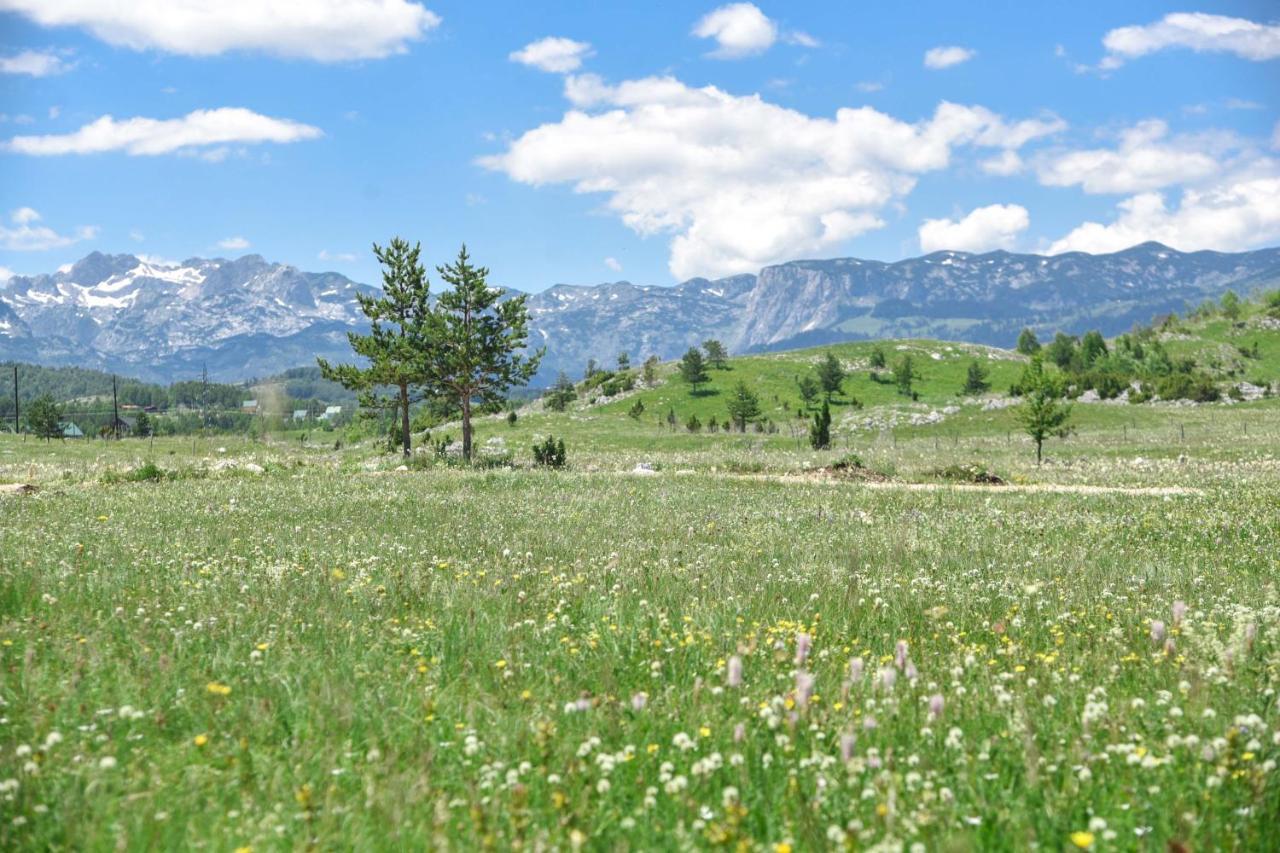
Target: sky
[{"x": 580, "y": 143}]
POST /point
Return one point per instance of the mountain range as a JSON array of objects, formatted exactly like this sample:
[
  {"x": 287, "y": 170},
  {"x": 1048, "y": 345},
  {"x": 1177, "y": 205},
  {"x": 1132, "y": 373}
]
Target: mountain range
[{"x": 248, "y": 317}]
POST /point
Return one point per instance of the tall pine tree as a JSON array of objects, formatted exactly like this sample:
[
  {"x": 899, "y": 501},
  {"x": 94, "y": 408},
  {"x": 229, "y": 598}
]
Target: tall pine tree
[
  {"x": 399, "y": 342},
  {"x": 478, "y": 335}
]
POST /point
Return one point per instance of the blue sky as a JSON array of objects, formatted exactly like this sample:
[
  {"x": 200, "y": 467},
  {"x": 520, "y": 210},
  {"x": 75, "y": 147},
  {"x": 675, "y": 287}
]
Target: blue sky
[{"x": 652, "y": 143}]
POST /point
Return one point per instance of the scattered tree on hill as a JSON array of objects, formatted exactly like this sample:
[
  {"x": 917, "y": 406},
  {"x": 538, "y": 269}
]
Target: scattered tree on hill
[
  {"x": 831, "y": 375},
  {"x": 44, "y": 417},
  {"x": 1062, "y": 351},
  {"x": 1231, "y": 306},
  {"x": 672, "y": 420},
  {"x": 877, "y": 358},
  {"x": 808, "y": 389},
  {"x": 636, "y": 410},
  {"x": 820, "y": 431},
  {"x": 478, "y": 336},
  {"x": 401, "y": 339},
  {"x": 716, "y": 353},
  {"x": 744, "y": 406},
  {"x": 624, "y": 361},
  {"x": 1043, "y": 413},
  {"x": 142, "y": 426},
  {"x": 1028, "y": 343},
  {"x": 1271, "y": 302},
  {"x": 976, "y": 380},
  {"x": 1093, "y": 347},
  {"x": 693, "y": 369},
  {"x": 693, "y": 424},
  {"x": 650, "y": 370},
  {"x": 561, "y": 394},
  {"x": 592, "y": 369},
  {"x": 904, "y": 373}
]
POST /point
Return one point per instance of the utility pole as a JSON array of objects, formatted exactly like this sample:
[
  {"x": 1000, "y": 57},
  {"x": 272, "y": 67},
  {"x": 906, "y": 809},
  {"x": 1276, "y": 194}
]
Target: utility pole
[
  {"x": 204, "y": 397},
  {"x": 17, "y": 423},
  {"x": 115, "y": 410}
]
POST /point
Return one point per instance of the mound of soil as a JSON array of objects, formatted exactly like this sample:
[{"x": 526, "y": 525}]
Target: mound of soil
[
  {"x": 968, "y": 474},
  {"x": 845, "y": 470}
]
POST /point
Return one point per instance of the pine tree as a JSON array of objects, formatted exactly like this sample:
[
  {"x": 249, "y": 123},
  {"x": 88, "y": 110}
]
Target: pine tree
[
  {"x": 1042, "y": 413},
  {"x": 1028, "y": 343},
  {"x": 808, "y": 389},
  {"x": 716, "y": 353},
  {"x": 693, "y": 369},
  {"x": 650, "y": 370},
  {"x": 820, "y": 432},
  {"x": 831, "y": 375},
  {"x": 398, "y": 346},
  {"x": 477, "y": 337},
  {"x": 624, "y": 361},
  {"x": 44, "y": 417},
  {"x": 877, "y": 358},
  {"x": 904, "y": 373},
  {"x": 561, "y": 394},
  {"x": 744, "y": 406},
  {"x": 142, "y": 427},
  {"x": 976, "y": 380},
  {"x": 1231, "y": 306},
  {"x": 1092, "y": 347}
]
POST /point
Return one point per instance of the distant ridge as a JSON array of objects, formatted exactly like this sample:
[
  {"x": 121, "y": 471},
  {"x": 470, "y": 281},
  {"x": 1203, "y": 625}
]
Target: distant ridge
[{"x": 250, "y": 317}]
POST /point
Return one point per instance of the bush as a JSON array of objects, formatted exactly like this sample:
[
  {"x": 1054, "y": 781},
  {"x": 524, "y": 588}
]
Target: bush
[
  {"x": 550, "y": 453},
  {"x": 1188, "y": 386},
  {"x": 636, "y": 410},
  {"x": 693, "y": 424}
]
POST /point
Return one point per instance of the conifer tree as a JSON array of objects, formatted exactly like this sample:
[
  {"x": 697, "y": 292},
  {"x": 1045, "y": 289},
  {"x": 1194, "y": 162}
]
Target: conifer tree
[
  {"x": 820, "y": 432},
  {"x": 477, "y": 335},
  {"x": 716, "y": 353},
  {"x": 1042, "y": 413},
  {"x": 976, "y": 380},
  {"x": 744, "y": 406},
  {"x": 1028, "y": 343},
  {"x": 693, "y": 369},
  {"x": 561, "y": 394},
  {"x": 44, "y": 417},
  {"x": 831, "y": 375},
  {"x": 398, "y": 345}
]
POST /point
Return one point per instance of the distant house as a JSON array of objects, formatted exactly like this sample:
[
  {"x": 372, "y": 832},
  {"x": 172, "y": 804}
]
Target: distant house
[
  {"x": 70, "y": 430},
  {"x": 249, "y": 407},
  {"x": 299, "y": 414},
  {"x": 331, "y": 412}
]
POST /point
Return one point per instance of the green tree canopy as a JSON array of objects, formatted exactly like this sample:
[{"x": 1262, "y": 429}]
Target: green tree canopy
[
  {"x": 716, "y": 353},
  {"x": 398, "y": 347},
  {"x": 477, "y": 337},
  {"x": 976, "y": 379},
  {"x": 831, "y": 375},
  {"x": 693, "y": 369},
  {"x": 1028, "y": 343},
  {"x": 744, "y": 406},
  {"x": 904, "y": 373},
  {"x": 44, "y": 417},
  {"x": 1043, "y": 413}
]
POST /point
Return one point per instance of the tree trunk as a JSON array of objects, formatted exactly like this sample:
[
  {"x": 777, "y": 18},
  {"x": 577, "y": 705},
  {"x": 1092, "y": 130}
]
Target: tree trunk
[
  {"x": 404, "y": 417},
  {"x": 466, "y": 427},
  {"x": 1039, "y": 448}
]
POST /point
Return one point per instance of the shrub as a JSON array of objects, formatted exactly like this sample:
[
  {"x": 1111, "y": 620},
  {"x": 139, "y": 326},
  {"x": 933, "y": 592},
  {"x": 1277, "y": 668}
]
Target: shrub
[
  {"x": 693, "y": 424},
  {"x": 550, "y": 453},
  {"x": 1188, "y": 386},
  {"x": 636, "y": 410}
]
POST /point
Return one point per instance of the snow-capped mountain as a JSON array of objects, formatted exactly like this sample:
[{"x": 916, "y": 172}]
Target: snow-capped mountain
[{"x": 248, "y": 317}]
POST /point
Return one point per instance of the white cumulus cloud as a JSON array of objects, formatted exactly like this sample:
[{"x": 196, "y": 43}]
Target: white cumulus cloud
[
  {"x": 1145, "y": 159},
  {"x": 554, "y": 54},
  {"x": 34, "y": 63},
  {"x": 996, "y": 226},
  {"x": 5, "y": 275},
  {"x": 233, "y": 244},
  {"x": 28, "y": 235},
  {"x": 1198, "y": 31},
  {"x": 1235, "y": 214},
  {"x": 613, "y": 264},
  {"x": 739, "y": 29},
  {"x": 321, "y": 30},
  {"x": 148, "y": 136},
  {"x": 947, "y": 56},
  {"x": 738, "y": 182}
]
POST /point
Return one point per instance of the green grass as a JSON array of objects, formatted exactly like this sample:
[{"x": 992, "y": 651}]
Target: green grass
[
  {"x": 333, "y": 654},
  {"x": 322, "y": 651}
]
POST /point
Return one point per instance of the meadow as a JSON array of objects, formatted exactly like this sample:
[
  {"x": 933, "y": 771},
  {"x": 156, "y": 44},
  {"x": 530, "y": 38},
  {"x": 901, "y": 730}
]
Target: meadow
[{"x": 278, "y": 644}]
